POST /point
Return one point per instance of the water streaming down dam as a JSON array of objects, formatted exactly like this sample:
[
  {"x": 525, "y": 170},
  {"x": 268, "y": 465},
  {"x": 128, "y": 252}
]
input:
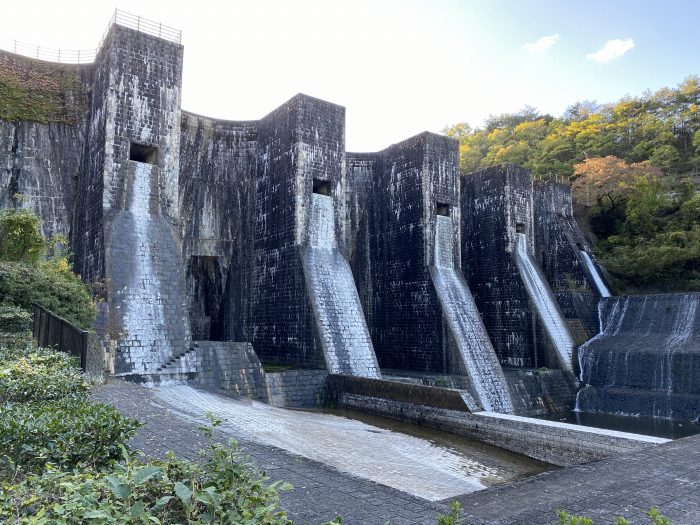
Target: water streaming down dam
[
  {"x": 545, "y": 304},
  {"x": 475, "y": 354},
  {"x": 336, "y": 305},
  {"x": 646, "y": 359},
  {"x": 595, "y": 274},
  {"x": 144, "y": 260}
]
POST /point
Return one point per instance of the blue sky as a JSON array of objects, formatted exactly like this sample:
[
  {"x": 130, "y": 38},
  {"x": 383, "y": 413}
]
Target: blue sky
[{"x": 399, "y": 67}]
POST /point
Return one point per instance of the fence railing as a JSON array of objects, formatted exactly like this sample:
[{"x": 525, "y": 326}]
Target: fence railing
[
  {"x": 86, "y": 56},
  {"x": 65, "y": 56},
  {"x": 51, "y": 330},
  {"x": 143, "y": 25}
]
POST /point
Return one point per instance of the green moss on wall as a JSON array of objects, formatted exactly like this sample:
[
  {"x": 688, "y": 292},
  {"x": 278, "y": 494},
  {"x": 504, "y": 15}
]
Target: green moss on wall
[{"x": 37, "y": 91}]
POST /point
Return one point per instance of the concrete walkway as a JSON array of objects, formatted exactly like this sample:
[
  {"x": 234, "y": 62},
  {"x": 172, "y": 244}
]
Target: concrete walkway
[{"x": 339, "y": 478}]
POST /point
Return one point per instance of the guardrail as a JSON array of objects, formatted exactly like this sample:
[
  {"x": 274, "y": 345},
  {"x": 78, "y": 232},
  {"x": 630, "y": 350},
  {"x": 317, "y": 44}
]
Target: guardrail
[
  {"x": 51, "y": 330},
  {"x": 143, "y": 25},
  {"x": 86, "y": 56},
  {"x": 65, "y": 56}
]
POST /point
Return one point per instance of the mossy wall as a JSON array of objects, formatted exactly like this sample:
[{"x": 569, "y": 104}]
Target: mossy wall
[{"x": 44, "y": 92}]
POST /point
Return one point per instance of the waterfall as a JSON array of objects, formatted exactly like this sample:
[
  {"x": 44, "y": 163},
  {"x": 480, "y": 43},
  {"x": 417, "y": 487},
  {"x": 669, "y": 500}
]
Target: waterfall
[
  {"x": 543, "y": 299},
  {"x": 475, "y": 352},
  {"x": 646, "y": 359},
  {"x": 597, "y": 278},
  {"x": 335, "y": 303},
  {"x": 144, "y": 318}
]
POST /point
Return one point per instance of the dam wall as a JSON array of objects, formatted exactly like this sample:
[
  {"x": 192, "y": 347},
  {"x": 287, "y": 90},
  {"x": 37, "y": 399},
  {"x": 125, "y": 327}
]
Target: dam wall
[{"x": 646, "y": 359}]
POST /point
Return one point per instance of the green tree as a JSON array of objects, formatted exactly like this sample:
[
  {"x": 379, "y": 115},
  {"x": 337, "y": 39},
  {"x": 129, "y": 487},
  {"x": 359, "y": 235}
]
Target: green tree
[{"x": 20, "y": 237}]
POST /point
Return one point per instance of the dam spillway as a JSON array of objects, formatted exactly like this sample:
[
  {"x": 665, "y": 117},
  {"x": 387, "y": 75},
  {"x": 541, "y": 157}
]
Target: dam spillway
[
  {"x": 336, "y": 305},
  {"x": 595, "y": 274},
  {"x": 475, "y": 354},
  {"x": 646, "y": 359},
  {"x": 545, "y": 304}
]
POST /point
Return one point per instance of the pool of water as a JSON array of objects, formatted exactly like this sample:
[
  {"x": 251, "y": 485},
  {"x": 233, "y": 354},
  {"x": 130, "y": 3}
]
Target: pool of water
[
  {"x": 509, "y": 465},
  {"x": 649, "y": 426}
]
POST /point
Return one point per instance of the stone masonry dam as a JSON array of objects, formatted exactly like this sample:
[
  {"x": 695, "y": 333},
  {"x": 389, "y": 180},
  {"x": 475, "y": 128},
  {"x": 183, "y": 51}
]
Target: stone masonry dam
[{"x": 262, "y": 258}]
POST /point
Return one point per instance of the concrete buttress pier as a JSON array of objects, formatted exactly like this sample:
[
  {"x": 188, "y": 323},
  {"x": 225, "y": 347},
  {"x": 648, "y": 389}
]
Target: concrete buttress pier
[
  {"x": 125, "y": 231},
  {"x": 516, "y": 303},
  {"x": 306, "y": 309}
]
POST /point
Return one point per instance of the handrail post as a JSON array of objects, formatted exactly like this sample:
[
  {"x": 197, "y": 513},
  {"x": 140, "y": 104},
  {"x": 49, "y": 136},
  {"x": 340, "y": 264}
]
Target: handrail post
[
  {"x": 83, "y": 350},
  {"x": 60, "y": 337}
]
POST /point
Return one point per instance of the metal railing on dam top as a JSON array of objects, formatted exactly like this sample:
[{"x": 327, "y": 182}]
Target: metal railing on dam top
[
  {"x": 86, "y": 56},
  {"x": 50, "y": 330}
]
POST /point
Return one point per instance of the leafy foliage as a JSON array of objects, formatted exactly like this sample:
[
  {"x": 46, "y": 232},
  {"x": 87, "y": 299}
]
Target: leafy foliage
[
  {"x": 20, "y": 236},
  {"x": 224, "y": 489},
  {"x": 14, "y": 320},
  {"x": 51, "y": 284},
  {"x": 454, "y": 517},
  {"x": 68, "y": 434},
  {"x": 653, "y": 514},
  {"x": 634, "y": 166},
  {"x": 27, "y": 277},
  {"x": 41, "y": 375}
]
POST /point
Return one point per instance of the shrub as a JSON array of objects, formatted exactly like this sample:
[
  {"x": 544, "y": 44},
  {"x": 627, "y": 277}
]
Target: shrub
[
  {"x": 14, "y": 320},
  {"x": 225, "y": 489},
  {"x": 68, "y": 434},
  {"x": 41, "y": 374},
  {"x": 568, "y": 519},
  {"x": 20, "y": 236},
  {"x": 52, "y": 285}
]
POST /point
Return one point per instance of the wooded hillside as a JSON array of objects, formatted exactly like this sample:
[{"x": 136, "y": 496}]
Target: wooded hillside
[{"x": 634, "y": 166}]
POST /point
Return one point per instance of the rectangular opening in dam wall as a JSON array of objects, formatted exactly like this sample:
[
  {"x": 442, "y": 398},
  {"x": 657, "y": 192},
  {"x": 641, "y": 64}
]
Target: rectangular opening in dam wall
[
  {"x": 519, "y": 227},
  {"x": 143, "y": 153},
  {"x": 442, "y": 209},
  {"x": 322, "y": 187}
]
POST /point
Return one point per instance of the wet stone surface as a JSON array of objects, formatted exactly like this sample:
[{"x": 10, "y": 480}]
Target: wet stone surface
[{"x": 667, "y": 476}]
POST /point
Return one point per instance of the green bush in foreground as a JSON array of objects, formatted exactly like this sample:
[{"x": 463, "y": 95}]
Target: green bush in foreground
[
  {"x": 653, "y": 514},
  {"x": 224, "y": 489},
  {"x": 40, "y": 375},
  {"x": 66, "y": 434}
]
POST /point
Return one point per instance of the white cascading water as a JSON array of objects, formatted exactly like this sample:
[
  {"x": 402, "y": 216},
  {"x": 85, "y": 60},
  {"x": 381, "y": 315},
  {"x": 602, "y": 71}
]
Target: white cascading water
[
  {"x": 476, "y": 352},
  {"x": 683, "y": 328},
  {"x": 336, "y": 305},
  {"x": 639, "y": 334},
  {"x": 543, "y": 299},
  {"x": 144, "y": 316},
  {"x": 597, "y": 279}
]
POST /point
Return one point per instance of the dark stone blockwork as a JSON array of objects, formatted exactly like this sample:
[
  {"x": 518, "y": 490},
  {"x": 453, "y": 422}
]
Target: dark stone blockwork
[{"x": 230, "y": 231}]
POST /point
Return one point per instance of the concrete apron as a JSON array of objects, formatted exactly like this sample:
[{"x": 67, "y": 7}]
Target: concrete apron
[{"x": 409, "y": 464}]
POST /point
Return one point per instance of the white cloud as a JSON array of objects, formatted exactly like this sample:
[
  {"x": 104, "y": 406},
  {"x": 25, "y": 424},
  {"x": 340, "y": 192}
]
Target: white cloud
[
  {"x": 611, "y": 50},
  {"x": 542, "y": 44}
]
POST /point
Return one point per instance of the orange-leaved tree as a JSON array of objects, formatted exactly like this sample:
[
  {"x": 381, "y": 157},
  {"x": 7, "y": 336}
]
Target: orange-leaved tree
[{"x": 608, "y": 181}]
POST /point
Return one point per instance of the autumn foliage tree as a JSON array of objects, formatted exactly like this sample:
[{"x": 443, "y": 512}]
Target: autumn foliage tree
[{"x": 607, "y": 181}]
